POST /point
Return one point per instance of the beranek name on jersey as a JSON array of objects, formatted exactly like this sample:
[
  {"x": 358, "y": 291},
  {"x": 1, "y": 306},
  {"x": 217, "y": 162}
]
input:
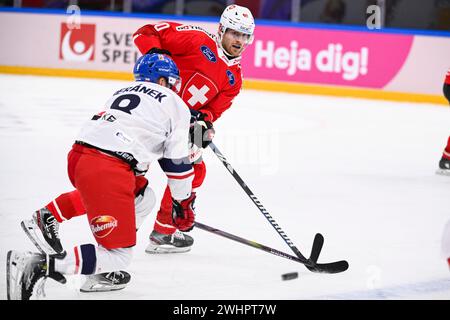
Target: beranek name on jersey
[{"x": 141, "y": 88}]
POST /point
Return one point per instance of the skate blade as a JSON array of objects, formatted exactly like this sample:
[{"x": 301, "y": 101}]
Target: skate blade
[
  {"x": 9, "y": 295},
  {"x": 35, "y": 235},
  {"x": 14, "y": 274},
  {"x": 94, "y": 285},
  {"x": 162, "y": 249},
  {"x": 102, "y": 288}
]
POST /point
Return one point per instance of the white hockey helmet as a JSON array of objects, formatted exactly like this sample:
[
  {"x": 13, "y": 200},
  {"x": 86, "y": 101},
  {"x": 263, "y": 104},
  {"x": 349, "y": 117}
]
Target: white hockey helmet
[{"x": 237, "y": 18}]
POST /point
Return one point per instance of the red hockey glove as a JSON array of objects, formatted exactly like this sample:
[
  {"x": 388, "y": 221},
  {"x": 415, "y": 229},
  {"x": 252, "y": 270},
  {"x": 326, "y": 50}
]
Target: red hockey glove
[{"x": 183, "y": 214}]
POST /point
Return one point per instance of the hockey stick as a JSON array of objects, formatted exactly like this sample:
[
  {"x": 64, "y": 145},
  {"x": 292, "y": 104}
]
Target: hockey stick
[
  {"x": 333, "y": 267},
  {"x": 310, "y": 263}
]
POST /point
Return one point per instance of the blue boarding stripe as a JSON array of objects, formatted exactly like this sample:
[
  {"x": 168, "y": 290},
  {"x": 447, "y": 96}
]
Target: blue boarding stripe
[
  {"x": 175, "y": 165},
  {"x": 89, "y": 258}
]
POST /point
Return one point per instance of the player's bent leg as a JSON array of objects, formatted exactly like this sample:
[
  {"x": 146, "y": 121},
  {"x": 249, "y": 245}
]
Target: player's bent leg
[
  {"x": 27, "y": 271},
  {"x": 43, "y": 227},
  {"x": 165, "y": 238},
  {"x": 67, "y": 206},
  {"x": 163, "y": 223},
  {"x": 116, "y": 280},
  {"x": 112, "y": 216},
  {"x": 110, "y": 280}
]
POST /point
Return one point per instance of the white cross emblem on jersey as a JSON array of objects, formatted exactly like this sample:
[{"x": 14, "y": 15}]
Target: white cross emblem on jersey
[{"x": 198, "y": 95}]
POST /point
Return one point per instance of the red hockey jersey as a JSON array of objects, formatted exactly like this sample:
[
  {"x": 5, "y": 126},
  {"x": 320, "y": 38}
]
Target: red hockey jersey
[
  {"x": 447, "y": 78},
  {"x": 210, "y": 81}
]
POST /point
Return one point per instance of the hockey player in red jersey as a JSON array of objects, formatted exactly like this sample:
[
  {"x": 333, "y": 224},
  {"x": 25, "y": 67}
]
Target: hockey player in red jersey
[
  {"x": 140, "y": 124},
  {"x": 211, "y": 72},
  {"x": 444, "y": 168},
  {"x": 444, "y": 164}
]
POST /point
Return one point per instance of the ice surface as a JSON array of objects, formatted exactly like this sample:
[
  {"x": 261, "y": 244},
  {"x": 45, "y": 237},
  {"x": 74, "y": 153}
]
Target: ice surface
[{"x": 361, "y": 172}]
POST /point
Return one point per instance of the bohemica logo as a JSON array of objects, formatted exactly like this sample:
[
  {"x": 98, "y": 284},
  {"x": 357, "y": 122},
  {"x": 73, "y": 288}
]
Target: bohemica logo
[
  {"x": 230, "y": 77},
  {"x": 77, "y": 44},
  {"x": 101, "y": 226},
  {"x": 208, "y": 53}
]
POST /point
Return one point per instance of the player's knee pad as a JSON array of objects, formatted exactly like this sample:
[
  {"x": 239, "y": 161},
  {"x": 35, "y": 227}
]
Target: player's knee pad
[
  {"x": 113, "y": 259},
  {"x": 144, "y": 204}
]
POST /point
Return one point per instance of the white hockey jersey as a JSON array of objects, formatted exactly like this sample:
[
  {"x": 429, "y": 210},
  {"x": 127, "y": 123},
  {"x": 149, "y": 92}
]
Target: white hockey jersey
[{"x": 142, "y": 123}]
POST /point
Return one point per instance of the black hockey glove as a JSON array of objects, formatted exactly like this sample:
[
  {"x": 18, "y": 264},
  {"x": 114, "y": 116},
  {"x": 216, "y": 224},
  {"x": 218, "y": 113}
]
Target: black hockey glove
[
  {"x": 159, "y": 50},
  {"x": 201, "y": 131}
]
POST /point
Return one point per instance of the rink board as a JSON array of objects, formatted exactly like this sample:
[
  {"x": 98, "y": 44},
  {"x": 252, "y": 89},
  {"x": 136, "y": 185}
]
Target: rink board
[{"x": 284, "y": 57}]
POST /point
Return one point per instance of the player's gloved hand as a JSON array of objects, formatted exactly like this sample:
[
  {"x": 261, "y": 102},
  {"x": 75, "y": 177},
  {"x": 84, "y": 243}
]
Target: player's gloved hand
[
  {"x": 159, "y": 50},
  {"x": 195, "y": 153},
  {"x": 183, "y": 214},
  {"x": 201, "y": 132}
]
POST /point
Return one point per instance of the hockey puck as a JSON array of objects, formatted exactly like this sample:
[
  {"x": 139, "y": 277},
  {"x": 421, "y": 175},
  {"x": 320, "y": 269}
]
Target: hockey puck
[{"x": 289, "y": 276}]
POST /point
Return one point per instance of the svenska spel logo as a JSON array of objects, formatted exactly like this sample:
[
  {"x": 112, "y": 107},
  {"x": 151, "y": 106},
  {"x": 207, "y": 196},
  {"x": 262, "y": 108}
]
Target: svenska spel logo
[{"x": 77, "y": 44}]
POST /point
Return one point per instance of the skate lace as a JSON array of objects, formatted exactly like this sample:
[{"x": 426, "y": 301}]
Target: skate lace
[
  {"x": 52, "y": 226},
  {"x": 178, "y": 235},
  {"x": 114, "y": 275}
]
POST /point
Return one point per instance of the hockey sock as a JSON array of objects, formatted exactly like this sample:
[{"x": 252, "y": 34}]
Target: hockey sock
[
  {"x": 88, "y": 259},
  {"x": 81, "y": 260},
  {"x": 66, "y": 206},
  {"x": 163, "y": 223}
]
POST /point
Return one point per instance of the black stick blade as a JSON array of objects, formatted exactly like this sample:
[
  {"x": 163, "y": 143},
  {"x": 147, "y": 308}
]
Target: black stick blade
[
  {"x": 332, "y": 267},
  {"x": 317, "y": 247}
]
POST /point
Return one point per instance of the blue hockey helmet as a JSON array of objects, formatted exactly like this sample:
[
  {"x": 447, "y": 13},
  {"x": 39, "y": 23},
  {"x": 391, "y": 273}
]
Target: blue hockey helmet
[{"x": 151, "y": 67}]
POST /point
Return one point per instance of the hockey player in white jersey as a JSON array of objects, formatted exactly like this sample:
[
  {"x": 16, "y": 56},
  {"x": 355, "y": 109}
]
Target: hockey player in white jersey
[{"x": 140, "y": 124}]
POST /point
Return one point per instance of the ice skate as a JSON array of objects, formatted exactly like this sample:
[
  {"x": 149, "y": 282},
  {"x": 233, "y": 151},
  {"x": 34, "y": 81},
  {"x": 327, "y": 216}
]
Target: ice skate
[
  {"x": 108, "y": 281},
  {"x": 43, "y": 231},
  {"x": 169, "y": 243},
  {"x": 444, "y": 167},
  {"x": 26, "y": 273}
]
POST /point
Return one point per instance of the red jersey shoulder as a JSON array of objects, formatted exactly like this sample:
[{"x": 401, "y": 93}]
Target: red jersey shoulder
[{"x": 195, "y": 33}]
